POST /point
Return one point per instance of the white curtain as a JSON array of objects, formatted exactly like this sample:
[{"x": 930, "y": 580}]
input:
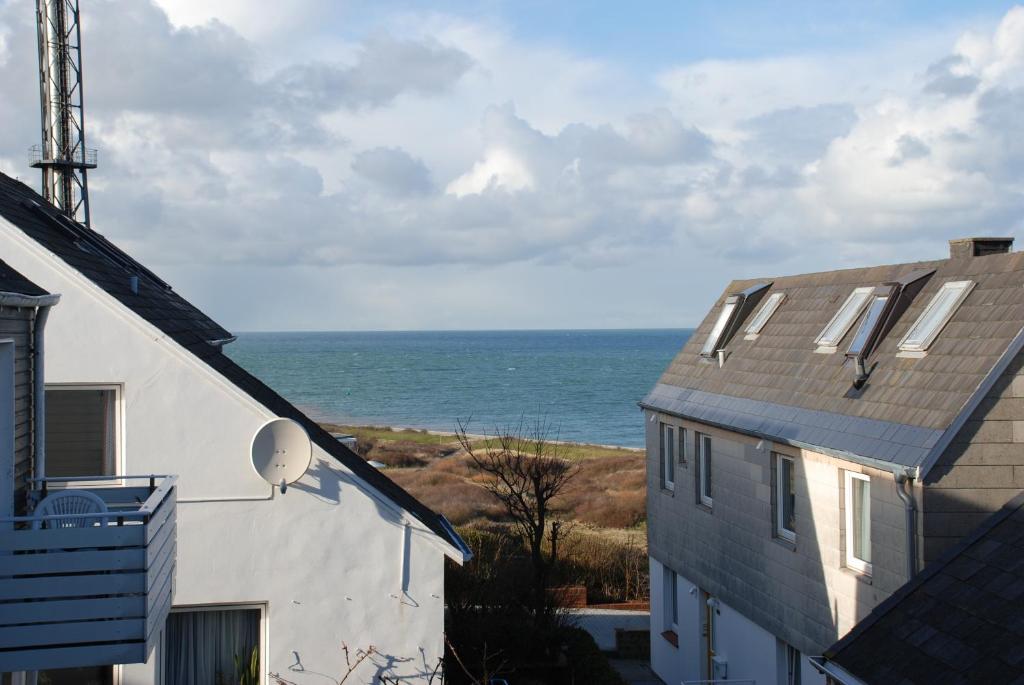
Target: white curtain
[{"x": 200, "y": 646}]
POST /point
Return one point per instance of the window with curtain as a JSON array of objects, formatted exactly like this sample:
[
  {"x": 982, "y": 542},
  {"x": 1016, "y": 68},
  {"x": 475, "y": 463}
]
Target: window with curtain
[
  {"x": 200, "y": 646},
  {"x": 81, "y": 431}
]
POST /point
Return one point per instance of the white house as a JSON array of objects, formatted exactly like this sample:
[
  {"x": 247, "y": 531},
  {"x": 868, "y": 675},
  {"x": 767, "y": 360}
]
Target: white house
[{"x": 137, "y": 383}]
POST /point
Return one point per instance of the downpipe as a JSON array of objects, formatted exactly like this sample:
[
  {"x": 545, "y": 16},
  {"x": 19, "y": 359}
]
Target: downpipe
[{"x": 903, "y": 482}]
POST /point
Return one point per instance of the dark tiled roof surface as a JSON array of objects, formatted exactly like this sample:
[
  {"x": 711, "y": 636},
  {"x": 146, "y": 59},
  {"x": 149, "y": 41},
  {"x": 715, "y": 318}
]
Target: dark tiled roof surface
[
  {"x": 780, "y": 367},
  {"x": 111, "y": 269},
  {"x": 961, "y": 620},
  {"x": 13, "y": 282}
]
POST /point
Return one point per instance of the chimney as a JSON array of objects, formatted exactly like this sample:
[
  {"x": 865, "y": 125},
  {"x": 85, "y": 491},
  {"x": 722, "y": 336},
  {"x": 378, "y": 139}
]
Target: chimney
[{"x": 961, "y": 248}]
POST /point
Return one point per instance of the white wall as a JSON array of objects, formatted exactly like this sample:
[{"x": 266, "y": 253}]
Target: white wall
[
  {"x": 326, "y": 557},
  {"x": 752, "y": 652}
]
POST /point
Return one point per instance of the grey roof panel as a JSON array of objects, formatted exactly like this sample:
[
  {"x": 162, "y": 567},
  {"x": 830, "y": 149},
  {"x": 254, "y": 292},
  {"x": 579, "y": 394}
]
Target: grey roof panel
[{"x": 850, "y": 437}]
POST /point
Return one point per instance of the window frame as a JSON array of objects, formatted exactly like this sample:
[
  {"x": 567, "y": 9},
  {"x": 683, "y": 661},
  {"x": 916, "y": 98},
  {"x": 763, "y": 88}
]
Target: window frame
[
  {"x": 764, "y": 314},
  {"x": 852, "y": 560},
  {"x": 119, "y": 430},
  {"x": 781, "y": 531},
  {"x": 666, "y": 453},
  {"x": 704, "y": 468},
  {"x": 966, "y": 287},
  {"x": 851, "y": 310}
]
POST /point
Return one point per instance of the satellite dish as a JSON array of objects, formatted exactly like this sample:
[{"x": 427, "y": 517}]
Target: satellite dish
[{"x": 281, "y": 452}]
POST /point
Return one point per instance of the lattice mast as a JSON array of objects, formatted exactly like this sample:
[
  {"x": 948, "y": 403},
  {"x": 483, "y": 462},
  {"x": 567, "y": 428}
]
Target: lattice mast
[{"x": 63, "y": 156}]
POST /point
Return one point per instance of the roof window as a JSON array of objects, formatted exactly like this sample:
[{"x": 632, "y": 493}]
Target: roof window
[
  {"x": 734, "y": 309},
  {"x": 844, "y": 318},
  {"x": 717, "y": 331},
  {"x": 870, "y": 323},
  {"x": 763, "y": 314},
  {"x": 935, "y": 316}
]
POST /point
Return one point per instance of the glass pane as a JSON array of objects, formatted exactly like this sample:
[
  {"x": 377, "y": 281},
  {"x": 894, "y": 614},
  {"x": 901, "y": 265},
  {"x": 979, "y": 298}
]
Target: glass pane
[
  {"x": 670, "y": 460},
  {"x": 937, "y": 312},
  {"x": 705, "y": 471},
  {"x": 765, "y": 313},
  {"x": 788, "y": 493},
  {"x": 861, "y": 490},
  {"x": 868, "y": 324},
  {"x": 844, "y": 318},
  {"x": 80, "y": 427},
  {"x": 716, "y": 333}
]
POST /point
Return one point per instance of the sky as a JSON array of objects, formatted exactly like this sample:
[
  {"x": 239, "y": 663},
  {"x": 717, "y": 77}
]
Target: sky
[{"x": 344, "y": 165}]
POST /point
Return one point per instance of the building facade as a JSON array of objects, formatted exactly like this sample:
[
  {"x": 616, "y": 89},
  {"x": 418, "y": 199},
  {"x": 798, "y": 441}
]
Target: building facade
[
  {"x": 818, "y": 440},
  {"x": 343, "y": 557}
]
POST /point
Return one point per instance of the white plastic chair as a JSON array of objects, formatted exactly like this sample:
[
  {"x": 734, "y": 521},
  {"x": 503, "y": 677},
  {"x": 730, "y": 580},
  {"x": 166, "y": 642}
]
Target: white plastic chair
[{"x": 71, "y": 502}]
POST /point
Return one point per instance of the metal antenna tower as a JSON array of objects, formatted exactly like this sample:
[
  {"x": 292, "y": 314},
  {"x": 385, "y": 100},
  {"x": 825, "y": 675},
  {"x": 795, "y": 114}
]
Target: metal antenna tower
[{"x": 63, "y": 156}]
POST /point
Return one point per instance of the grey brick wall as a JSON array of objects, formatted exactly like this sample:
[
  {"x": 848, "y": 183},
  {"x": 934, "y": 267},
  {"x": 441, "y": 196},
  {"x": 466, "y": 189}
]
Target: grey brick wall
[
  {"x": 800, "y": 592},
  {"x": 981, "y": 470}
]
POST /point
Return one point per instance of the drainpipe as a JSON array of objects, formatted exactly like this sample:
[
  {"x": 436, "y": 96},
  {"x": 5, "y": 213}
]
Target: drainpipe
[
  {"x": 910, "y": 507},
  {"x": 39, "y": 392}
]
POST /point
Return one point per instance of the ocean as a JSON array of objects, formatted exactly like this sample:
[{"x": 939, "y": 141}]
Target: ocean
[{"x": 584, "y": 384}]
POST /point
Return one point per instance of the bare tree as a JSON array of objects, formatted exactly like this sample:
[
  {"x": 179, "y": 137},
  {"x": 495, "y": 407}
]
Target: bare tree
[{"x": 526, "y": 470}]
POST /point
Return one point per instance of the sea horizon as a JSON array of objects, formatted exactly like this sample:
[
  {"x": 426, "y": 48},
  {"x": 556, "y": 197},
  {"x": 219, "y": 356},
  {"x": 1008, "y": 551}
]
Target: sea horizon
[{"x": 585, "y": 383}]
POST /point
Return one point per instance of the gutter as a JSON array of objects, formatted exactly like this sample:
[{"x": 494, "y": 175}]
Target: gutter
[
  {"x": 834, "y": 671},
  {"x": 221, "y": 342}
]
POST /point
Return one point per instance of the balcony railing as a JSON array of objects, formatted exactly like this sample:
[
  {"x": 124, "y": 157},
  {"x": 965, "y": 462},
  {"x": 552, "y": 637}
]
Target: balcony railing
[{"x": 93, "y": 595}]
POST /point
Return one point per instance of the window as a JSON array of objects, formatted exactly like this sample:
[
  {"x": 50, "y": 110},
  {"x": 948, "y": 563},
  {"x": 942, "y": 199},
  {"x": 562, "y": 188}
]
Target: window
[
  {"x": 682, "y": 446},
  {"x": 718, "y": 330},
  {"x": 667, "y": 455},
  {"x": 88, "y": 675},
  {"x": 785, "y": 498},
  {"x": 670, "y": 593},
  {"x": 81, "y": 430},
  {"x": 763, "y": 314},
  {"x": 703, "y": 469},
  {"x": 792, "y": 666},
  {"x": 844, "y": 318},
  {"x": 868, "y": 326},
  {"x": 858, "y": 522},
  {"x": 200, "y": 646},
  {"x": 935, "y": 316}
]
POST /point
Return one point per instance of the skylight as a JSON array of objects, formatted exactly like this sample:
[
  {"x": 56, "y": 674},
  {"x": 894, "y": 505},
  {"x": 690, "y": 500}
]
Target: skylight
[
  {"x": 764, "y": 313},
  {"x": 724, "y": 317},
  {"x": 935, "y": 316},
  {"x": 868, "y": 324},
  {"x": 844, "y": 318}
]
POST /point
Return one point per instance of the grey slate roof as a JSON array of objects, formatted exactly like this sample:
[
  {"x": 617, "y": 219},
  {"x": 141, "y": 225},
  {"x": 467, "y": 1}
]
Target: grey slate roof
[
  {"x": 777, "y": 387},
  {"x": 961, "y": 620},
  {"x": 111, "y": 269}
]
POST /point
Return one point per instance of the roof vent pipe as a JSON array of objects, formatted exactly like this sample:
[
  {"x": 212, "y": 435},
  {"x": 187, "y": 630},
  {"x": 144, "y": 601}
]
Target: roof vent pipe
[
  {"x": 962, "y": 248},
  {"x": 860, "y": 374},
  {"x": 133, "y": 283}
]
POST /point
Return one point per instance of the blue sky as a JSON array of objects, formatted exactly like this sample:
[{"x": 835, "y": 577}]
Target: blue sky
[{"x": 384, "y": 165}]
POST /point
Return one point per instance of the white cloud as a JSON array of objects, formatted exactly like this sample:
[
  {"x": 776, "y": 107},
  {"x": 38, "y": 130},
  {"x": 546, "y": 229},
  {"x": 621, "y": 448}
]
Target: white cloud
[{"x": 438, "y": 148}]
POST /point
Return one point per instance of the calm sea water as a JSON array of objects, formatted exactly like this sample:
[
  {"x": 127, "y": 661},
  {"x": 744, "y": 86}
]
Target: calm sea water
[{"x": 585, "y": 383}]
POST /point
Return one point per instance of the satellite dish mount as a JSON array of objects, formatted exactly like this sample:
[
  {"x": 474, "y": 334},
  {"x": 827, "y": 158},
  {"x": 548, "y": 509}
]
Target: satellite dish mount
[{"x": 281, "y": 452}]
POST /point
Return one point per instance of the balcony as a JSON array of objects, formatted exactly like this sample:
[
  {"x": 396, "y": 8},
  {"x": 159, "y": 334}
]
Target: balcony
[{"x": 93, "y": 595}]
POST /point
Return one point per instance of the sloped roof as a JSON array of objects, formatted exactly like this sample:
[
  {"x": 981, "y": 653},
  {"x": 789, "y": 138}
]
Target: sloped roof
[
  {"x": 152, "y": 299},
  {"x": 13, "y": 282},
  {"x": 778, "y": 387},
  {"x": 961, "y": 620}
]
